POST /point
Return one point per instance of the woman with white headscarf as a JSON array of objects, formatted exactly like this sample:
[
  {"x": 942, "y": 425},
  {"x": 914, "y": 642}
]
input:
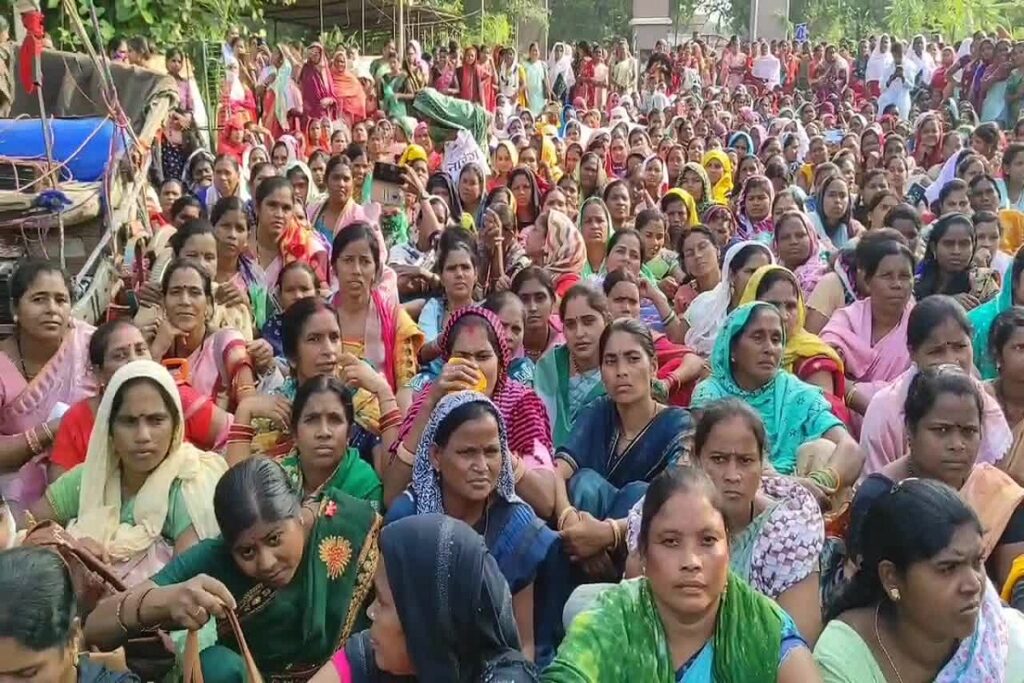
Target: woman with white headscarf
[
  {"x": 706, "y": 314},
  {"x": 143, "y": 493},
  {"x": 879, "y": 61},
  {"x": 921, "y": 58},
  {"x": 560, "y": 71}
]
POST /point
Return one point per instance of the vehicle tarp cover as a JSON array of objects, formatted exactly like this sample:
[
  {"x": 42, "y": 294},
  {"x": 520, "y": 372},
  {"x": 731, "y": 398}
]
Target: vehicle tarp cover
[{"x": 71, "y": 88}]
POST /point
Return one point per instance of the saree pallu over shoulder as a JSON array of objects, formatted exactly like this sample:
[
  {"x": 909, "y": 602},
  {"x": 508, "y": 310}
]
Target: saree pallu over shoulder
[
  {"x": 593, "y": 442},
  {"x": 551, "y": 380},
  {"x": 212, "y": 368},
  {"x": 66, "y": 378},
  {"x": 745, "y": 644},
  {"x": 294, "y": 631}
]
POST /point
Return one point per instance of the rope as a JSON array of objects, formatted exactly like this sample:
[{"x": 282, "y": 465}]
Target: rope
[{"x": 57, "y": 168}]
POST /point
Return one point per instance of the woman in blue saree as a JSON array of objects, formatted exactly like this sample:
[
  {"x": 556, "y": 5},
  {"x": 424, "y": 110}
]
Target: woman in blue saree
[
  {"x": 624, "y": 439},
  {"x": 464, "y": 468},
  {"x": 618, "y": 445}
]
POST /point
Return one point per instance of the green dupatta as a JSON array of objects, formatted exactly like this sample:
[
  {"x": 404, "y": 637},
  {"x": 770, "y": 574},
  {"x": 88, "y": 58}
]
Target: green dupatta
[
  {"x": 353, "y": 476},
  {"x": 588, "y": 271},
  {"x": 551, "y": 382},
  {"x": 746, "y": 641},
  {"x": 981, "y": 319},
  {"x": 329, "y": 594},
  {"x": 793, "y": 411}
]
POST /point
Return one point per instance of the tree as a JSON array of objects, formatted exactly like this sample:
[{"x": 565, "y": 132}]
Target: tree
[
  {"x": 162, "y": 22},
  {"x": 575, "y": 20}
]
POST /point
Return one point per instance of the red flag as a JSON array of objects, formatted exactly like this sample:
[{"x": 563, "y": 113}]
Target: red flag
[{"x": 31, "y": 48}]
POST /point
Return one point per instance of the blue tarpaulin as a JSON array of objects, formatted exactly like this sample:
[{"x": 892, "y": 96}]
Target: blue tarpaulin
[{"x": 23, "y": 138}]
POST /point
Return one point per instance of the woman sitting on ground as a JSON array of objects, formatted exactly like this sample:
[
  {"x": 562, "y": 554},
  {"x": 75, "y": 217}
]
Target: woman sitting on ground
[
  {"x": 44, "y": 368},
  {"x": 938, "y": 333},
  {"x": 568, "y": 377},
  {"x": 617, "y": 446},
  {"x": 870, "y": 334},
  {"x": 679, "y": 367},
  {"x": 143, "y": 493},
  {"x": 312, "y": 346},
  {"x": 746, "y": 365},
  {"x": 689, "y": 617},
  {"x": 297, "y": 576},
  {"x": 322, "y": 457},
  {"x": 920, "y": 581},
  {"x": 463, "y": 468},
  {"x": 944, "y": 417},
  {"x": 805, "y": 354},
  {"x": 113, "y": 345},
  {"x": 768, "y": 516},
  {"x": 476, "y": 357},
  {"x": 217, "y": 362}
]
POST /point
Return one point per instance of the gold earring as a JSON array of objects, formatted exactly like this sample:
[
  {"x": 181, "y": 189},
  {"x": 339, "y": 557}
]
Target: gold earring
[{"x": 894, "y": 594}]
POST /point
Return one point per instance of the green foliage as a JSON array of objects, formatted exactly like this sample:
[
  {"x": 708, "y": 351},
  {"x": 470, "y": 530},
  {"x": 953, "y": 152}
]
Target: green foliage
[
  {"x": 575, "y": 20},
  {"x": 162, "y": 22},
  {"x": 497, "y": 30},
  {"x": 954, "y": 18}
]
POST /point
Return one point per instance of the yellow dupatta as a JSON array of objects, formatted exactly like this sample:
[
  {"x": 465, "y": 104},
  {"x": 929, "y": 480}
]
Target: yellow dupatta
[
  {"x": 723, "y": 188},
  {"x": 800, "y": 344}
]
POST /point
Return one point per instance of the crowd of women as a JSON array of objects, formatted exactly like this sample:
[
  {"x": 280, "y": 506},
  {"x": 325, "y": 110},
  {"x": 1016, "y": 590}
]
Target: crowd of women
[{"x": 711, "y": 370}]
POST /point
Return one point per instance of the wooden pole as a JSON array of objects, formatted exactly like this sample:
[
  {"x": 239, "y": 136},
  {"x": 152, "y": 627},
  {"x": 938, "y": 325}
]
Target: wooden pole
[{"x": 48, "y": 144}]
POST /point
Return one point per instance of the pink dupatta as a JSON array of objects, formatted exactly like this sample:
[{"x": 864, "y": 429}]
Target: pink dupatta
[
  {"x": 380, "y": 336},
  {"x": 882, "y": 433},
  {"x": 208, "y": 371},
  {"x": 872, "y": 367},
  {"x": 65, "y": 379}
]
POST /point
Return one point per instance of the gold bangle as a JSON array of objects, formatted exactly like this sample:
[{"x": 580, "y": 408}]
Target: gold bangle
[
  {"x": 47, "y": 431},
  {"x": 615, "y": 534},
  {"x": 405, "y": 455},
  {"x": 562, "y": 517},
  {"x": 33, "y": 441}
]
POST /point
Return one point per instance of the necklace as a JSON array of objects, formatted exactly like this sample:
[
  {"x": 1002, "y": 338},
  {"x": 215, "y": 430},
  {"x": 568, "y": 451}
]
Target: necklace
[
  {"x": 878, "y": 637},
  {"x": 534, "y": 355},
  {"x": 21, "y": 359},
  {"x": 576, "y": 369}
]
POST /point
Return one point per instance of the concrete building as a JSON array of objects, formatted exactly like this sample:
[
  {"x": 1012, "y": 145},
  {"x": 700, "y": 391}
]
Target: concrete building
[{"x": 651, "y": 22}]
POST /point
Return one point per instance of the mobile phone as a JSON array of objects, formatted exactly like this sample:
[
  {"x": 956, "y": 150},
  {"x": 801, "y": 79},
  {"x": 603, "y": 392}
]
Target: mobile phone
[
  {"x": 915, "y": 194},
  {"x": 388, "y": 184},
  {"x": 834, "y": 137}
]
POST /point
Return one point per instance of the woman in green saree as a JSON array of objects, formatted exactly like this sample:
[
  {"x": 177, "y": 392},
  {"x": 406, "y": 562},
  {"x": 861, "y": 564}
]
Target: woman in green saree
[
  {"x": 323, "y": 457},
  {"x": 689, "y": 619},
  {"x": 298, "y": 575},
  {"x": 568, "y": 377}
]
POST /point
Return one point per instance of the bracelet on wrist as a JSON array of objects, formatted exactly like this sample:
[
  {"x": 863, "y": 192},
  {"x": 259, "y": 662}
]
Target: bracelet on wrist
[
  {"x": 118, "y": 616},
  {"x": 564, "y": 516}
]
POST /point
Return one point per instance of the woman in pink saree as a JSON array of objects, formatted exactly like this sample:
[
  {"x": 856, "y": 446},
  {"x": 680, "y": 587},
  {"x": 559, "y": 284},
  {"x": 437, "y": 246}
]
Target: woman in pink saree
[
  {"x": 734, "y": 65},
  {"x": 317, "y": 86},
  {"x": 44, "y": 368},
  {"x": 938, "y": 333},
  {"x": 337, "y": 210},
  {"x": 870, "y": 334},
  {"x": 215, "y": 362}
]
